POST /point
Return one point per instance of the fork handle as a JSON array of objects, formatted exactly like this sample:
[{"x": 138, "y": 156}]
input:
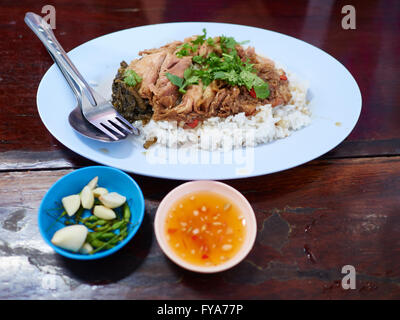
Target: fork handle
[{"x": 43, "y": 31}]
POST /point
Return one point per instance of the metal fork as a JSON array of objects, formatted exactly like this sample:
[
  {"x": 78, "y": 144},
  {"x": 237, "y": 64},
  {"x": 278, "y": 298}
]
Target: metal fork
[{"x": 97, "y": 110}]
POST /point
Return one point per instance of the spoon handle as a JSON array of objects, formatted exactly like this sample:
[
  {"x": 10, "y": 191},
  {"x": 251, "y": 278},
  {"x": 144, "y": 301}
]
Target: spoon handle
[{"x": 43, "y": 31}]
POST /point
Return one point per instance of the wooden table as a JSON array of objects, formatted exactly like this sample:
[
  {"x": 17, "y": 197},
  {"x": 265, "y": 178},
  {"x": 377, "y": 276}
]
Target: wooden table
[{"x": 340, "y": 209}]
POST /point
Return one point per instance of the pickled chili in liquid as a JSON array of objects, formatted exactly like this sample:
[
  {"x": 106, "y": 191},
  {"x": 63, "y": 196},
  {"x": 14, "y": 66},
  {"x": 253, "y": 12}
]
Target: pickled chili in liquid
[{"x": 205, "y": 228}]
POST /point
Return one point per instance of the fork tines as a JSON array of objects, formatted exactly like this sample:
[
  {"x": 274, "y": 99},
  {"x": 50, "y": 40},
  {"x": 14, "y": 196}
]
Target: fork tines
[
  {"x": 115, "y": 127},
  {"x": 125, "y": 122}
]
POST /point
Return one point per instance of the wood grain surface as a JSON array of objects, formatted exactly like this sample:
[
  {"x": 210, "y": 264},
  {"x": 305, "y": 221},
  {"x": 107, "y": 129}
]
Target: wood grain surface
[
  {"x": 341, "y": 209},
  {"x": 312, "y": 220}
]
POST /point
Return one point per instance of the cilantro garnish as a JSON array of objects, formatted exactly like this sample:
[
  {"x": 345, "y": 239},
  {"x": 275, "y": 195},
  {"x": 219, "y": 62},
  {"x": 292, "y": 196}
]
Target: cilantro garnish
[
  {"x": 227, "y": 43},
  {"x": 200, "y": 39},
  {"x": 186, "y": 48},
  {"x": 231, "y": 77},
  {"x": 178, "y": 81},
  {"x": 226, "y": 66},
  {"x": 192, "y": 46},
  {"x": 262, "y": 90},
  {"x": 210, "y": 42},
  {"x": 131, "y": 78},
  {"x": 189, "y": 78}
]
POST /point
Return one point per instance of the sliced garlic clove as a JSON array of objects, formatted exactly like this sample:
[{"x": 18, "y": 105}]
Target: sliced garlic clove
[
  {"x": 99, "y": 191},
  {"x": 86, "y": 248},
  {"x": 71, "y": 204},
  {"x": 104, "y": 213},
  {"x": 87, "y": 198},
  {"x": 93, "y": 183},
  {"x": 71, "y": 237},
  {"x": 112, "y": 200}
]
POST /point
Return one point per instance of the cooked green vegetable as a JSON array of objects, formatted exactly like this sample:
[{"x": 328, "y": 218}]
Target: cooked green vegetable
[
  {"x": 78, "y": 215},
  {"x": 126, "y": 213},
  {"x": 118, "y": 225},
  {"x": 127, "y": 100},
  {"x": 100, "y": 245}
]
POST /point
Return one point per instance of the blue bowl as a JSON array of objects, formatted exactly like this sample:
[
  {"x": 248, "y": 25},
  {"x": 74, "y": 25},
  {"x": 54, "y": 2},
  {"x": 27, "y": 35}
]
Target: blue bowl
[{"x": 72, "y": 183}]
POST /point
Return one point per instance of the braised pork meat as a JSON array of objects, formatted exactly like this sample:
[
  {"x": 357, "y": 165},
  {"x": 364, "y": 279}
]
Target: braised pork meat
[{"x": 196, "y": 79}]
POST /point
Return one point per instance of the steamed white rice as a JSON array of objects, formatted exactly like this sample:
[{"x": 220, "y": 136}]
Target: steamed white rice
[{"x": 235, "y": 131}]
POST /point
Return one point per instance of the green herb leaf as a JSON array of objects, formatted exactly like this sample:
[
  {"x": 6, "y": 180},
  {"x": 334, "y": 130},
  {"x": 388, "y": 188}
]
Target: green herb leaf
[
  {"x": 200, "y": 39},
  {"x": 227, "y": 43},
  {"x": 198, "y": 59},
  {"x": 189, "y": 77},
  {"x": 131, "y": 78},
  {"x": 248, "y": 78},
  {"x": 210, "y": 42},
  {"x": 227, "y": 67},
  {"x": 262, "y": 90},
  {"x": 251, "y": 80},
  {"x": 230, "y": 77},
  {"x": 244, "y": 42},
  {"x": 178, "y": 81},
  {"x": 187, "y": 73},
  {"x": 182, "y": 53}
]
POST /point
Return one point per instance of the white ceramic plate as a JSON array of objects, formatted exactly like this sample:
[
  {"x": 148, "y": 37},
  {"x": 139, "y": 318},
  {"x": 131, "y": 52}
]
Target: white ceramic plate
[{"x": 335, "y": 104}]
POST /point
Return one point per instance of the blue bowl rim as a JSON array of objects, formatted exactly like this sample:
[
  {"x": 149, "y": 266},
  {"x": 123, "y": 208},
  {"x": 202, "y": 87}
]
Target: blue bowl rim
[{"x": 100, "y": 254}]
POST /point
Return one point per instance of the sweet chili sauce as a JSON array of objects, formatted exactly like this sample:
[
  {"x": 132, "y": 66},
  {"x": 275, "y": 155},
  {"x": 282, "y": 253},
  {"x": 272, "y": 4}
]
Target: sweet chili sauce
[{"x": 205, "y": 228}]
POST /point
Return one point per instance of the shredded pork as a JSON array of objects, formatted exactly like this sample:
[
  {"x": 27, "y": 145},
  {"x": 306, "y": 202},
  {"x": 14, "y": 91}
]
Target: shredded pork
[{"x": 201, "y": 102}]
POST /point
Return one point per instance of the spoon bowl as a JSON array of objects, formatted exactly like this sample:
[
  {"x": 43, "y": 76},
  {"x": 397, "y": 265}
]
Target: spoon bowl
[{"x": 85, "y": 128}]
